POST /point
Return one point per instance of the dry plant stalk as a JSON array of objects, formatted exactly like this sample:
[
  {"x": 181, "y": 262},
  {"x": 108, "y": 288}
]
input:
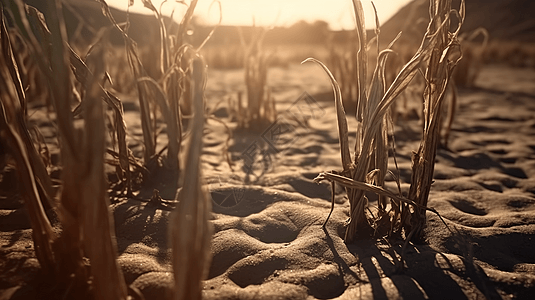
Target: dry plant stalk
[
  {"x": 446, "y": 53},
  {"x": 370, "y": 162},
  {"x": 190, "y": 230},
  {"x": 466, "y": 73},
  {"x": 260, "y": 104},
  {"x": 43, "y": 235}
]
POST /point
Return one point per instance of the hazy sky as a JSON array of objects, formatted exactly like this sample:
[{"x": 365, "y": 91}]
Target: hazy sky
[{"x": 339, "y": 13}]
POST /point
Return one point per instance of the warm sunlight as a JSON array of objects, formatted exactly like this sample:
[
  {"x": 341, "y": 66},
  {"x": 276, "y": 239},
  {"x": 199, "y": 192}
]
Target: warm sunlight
[
  {"x": 156, "y": 155},
  {"x": 338, "y": 13}
]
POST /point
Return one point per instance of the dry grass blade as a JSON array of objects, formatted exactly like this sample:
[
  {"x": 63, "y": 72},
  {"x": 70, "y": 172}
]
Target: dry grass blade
[
  {"x": 148, "y": 130},
  {"x": 377, "y": 28},
  {"x": 371, "y": 144},
  {"x": 164, "y": 47},
  {"x": 42, "y": 234},
  {"x": 7, "y": 53},
  {"x": 18, "y": 11},
  {"x": 120, "y": 129},
  {"x": 406, "y": 75},
  {"x": 189, "y": 226},
  {"x": 380, "y": 157},
  {"x": 377, "y": 88},
  {"x": 30, "y": 22},
  {"x": 82, "y": 216},
  {"x": 340, "y": 115},
  {"x": 362, "y": 63},
  {"x": 99, "y": 237},
  {"x": 343, "y": 64},
  {"x": 171, "y": 91},
  {"x": 184, "y": 24},
  {"x": 61, "y": 79},
  {"x": 172, "y": 123},
  {"x": 86, "y": 77},
  {"x": 216, "y": 26},
  {"x": 350, "y": 183}
]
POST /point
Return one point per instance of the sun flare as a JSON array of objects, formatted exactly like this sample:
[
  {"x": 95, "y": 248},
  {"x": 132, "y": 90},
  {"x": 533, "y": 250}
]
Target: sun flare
[{"x": 337, "y": 13}]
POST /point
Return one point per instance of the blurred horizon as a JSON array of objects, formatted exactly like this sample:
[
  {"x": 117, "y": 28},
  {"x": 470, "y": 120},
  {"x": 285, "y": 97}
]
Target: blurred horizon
[{"x": 277, "y": 13}]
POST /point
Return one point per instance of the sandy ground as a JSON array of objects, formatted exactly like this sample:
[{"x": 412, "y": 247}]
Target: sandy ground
[{"x": 268, "y": 241}]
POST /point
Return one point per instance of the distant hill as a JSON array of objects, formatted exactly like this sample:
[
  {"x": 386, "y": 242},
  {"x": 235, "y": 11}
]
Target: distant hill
[
  {"x": 299, "y": 33},
  {"x": 508, "y": 20},
  {"x": 84, "y": 18}
]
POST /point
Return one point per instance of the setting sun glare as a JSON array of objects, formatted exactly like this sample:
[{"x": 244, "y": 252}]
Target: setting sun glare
[{"x": 338, "y": 13}]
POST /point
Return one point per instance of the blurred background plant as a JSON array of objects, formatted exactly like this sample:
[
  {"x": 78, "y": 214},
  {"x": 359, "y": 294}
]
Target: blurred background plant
[{"x": 259, "y": 110}]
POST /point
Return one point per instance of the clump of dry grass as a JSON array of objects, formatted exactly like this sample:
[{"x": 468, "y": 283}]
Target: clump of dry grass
[
  {"x": 161, "y": 96},
  {"x": 87, "y": 226},
  {"x": 260, "y": 106},
  {"x": 470, "y": 66},
  {"x": 163, "y": 93},
  {"x": 440, "y": 52}
]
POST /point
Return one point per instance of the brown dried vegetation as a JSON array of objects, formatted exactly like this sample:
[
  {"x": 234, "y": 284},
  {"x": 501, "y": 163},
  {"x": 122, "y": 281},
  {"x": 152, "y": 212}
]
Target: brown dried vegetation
[
  {"x": 81, "y": 256},
  {"x": 439, "y": 52}
]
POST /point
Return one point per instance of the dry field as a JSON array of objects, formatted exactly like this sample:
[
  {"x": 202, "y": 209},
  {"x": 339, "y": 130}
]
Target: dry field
[{"x": 170, "y": 181}]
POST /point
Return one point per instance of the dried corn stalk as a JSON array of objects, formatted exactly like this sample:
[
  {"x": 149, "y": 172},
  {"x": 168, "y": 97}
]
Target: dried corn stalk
[
  {"x": 446, "y": 53},
  {"x": 87, "y": 226},
  {"x": 370, "y": 161}
]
